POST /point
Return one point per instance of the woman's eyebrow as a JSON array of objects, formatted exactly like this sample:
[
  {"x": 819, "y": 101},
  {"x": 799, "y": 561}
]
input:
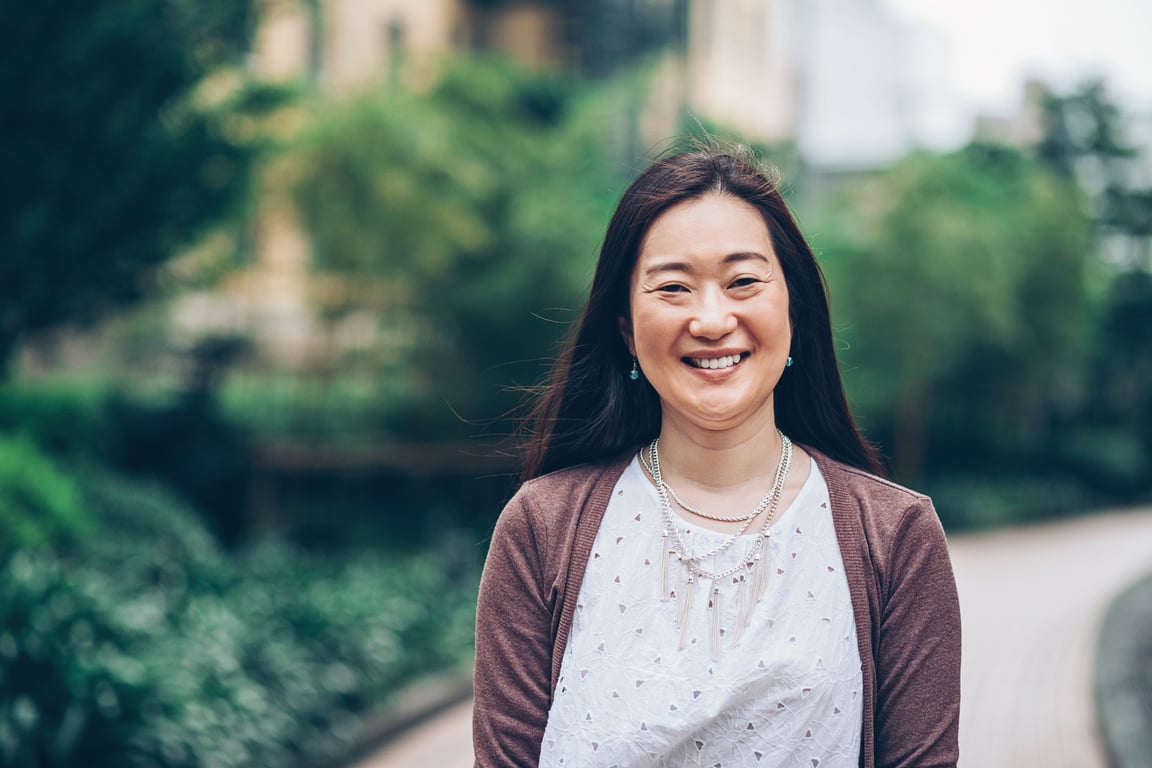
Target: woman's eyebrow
[
  {"x": 682, "y": 266},
  {"x": 746, "y": 256},
  {"x": 668, "y": 266}
]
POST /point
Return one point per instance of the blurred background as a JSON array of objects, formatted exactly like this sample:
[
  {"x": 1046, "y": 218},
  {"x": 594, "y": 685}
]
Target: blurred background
[{"x": 276, "y": 274}]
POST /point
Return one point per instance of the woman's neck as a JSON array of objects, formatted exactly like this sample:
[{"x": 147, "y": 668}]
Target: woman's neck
[{"x": 719, "y": 460}]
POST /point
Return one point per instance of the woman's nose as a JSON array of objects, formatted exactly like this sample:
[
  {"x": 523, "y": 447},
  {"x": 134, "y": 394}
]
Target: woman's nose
[{"x": 713, "y": 318}]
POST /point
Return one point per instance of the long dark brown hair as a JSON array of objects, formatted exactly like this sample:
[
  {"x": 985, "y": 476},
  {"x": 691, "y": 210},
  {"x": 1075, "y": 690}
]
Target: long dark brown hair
[{"x": 589, "y": 409}]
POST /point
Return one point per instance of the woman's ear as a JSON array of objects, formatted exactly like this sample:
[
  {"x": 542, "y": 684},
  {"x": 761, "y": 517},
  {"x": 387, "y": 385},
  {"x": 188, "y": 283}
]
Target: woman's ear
[{"x": 626, "y": 334}]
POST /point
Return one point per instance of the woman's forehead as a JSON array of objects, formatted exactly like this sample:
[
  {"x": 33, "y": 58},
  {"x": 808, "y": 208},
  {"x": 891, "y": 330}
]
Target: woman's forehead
[{"x": 718, "y": 229}]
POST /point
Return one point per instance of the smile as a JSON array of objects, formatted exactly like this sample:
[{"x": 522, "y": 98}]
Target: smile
[{"x": 713, "y": 363}]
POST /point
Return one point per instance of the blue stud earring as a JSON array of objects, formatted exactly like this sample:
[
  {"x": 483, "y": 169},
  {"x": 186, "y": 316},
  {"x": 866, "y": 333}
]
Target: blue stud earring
[
  {"x": 635, "y": 373},
  {"x": 788, "y": 363}
]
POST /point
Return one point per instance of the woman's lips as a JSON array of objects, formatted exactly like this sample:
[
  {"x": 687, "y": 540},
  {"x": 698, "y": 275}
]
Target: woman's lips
[{"x": 716, "y": 363}]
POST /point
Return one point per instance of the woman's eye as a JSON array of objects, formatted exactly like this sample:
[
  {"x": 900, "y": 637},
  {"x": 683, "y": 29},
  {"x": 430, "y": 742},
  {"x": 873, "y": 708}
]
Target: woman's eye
[
  {"x": 744, "y": 282},
  {"x": 672, "y": 288}
]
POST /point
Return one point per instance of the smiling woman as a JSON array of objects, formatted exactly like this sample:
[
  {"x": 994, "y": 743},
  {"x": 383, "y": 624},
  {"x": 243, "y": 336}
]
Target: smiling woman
[
  {"x": 677, "y": 581},
  {"x": 708, "y": 316}
]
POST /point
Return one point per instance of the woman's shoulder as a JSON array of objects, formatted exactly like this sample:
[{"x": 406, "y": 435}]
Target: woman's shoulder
[
  {"x": 557, "y": 506},
  {"x": 560, "y": 491},
  {"x": 863, "y": 481},
  {"x": 569, "y": 480},
  {"x": 880, "y": 502},
  {"x": 898, "y": 524}
]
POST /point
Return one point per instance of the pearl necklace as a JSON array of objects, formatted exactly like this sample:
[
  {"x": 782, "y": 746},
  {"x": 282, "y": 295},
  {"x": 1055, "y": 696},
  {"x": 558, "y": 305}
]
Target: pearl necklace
[{"x": 754, "y": 564}]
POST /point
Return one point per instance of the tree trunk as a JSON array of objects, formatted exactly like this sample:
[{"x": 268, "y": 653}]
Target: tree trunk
[
  {"x": 8, "y": 347},
  {"x": 910, "y": 433}
]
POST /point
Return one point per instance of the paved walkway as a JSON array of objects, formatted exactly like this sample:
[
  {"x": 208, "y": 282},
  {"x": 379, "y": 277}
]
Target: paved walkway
[
  {"x": 1032, "y": 601},
  {"x": 444, "y": 742}
]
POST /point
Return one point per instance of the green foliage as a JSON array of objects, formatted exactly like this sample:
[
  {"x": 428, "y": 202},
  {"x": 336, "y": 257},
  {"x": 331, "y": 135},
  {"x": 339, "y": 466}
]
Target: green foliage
[
  {"x": 1115, "y": 436},
  {"x": 188, "y": 445},
  {"x": 995, "y": 340},
  {"x": 361, "y": 628},
  {"x": 1084, "y": 141},
  {"x": 82, "y": 629},
  {"x": 987, "y": 499},
  {"x": 349, "y": 410},
  {"x": 181, "y": 440},
  {"x": 974, "y": 265},
  {"x": 1083, "y": 126},
  {"x": 459, "y": 216},
  {"x": 148, "y": 646},
  {"x": 65, "y": 419},
  {"x": 148, "y": 534},
  {"x": 113, "y": 157},
  {"x": 39, "y": 503}
]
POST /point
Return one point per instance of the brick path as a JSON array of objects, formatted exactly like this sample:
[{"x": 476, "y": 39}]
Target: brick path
[{"x": 1032, "y": 601}]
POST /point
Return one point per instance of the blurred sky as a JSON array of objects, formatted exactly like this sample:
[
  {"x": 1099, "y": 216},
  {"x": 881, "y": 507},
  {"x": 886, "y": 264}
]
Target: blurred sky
[{"x": 986, "y": 48}]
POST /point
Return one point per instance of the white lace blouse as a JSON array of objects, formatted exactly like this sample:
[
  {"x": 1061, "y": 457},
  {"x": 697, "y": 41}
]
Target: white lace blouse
[{"x": 787, "y": 695}]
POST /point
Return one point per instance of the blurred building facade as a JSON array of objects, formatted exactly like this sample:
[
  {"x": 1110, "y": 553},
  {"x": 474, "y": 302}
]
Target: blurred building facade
[
  {"x": 740, "y": 66},
  {"x": 1023, "y": 127},
  {"x": 344, "y": 44},
  {"x": 856, "y": 93},
  {"x": 841, "y": 78},
  {"x": 828, "y": 76}
]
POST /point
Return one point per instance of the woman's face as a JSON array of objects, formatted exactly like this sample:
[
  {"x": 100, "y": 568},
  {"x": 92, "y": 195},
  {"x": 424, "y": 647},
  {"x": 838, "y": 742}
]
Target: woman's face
[{"x": 709, "y": 314}]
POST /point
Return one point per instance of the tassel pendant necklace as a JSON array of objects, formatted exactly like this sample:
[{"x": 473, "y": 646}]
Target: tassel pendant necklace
[{"x": 749, "y": 575}]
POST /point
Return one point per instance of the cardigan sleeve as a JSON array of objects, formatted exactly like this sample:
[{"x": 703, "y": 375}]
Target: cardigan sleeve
[
  {"x": 512, "y": 678},
  {"x": 918, "y": 651}
]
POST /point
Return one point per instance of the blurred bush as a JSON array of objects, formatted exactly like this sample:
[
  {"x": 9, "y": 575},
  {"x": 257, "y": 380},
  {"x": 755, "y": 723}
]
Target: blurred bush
[
  {"x": 351, "y": 410},
  {"x": 64, "y": 419},
  {"x": 179, "y": 439},
  {"x": 144, "y": 644},
  {"x": 184, "y": 442},
  {"x": 986, "y": 500},
  {"x": 39, "y": 503}
]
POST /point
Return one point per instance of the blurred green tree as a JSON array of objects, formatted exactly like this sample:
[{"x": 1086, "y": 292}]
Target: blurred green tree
[
  {"x": 1083, "y": 135},
  {"x": 963, "y": 288},
  {"x": 116, "y": 150},
  {"x": 1084, "y": 141},
  {"x": 1112, "y": 439},
  {"x": 466, "y": 220}
]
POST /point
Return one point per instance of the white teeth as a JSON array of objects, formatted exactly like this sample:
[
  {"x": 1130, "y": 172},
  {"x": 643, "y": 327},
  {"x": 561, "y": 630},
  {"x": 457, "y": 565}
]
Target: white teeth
[{"x": 716, "y": 362}]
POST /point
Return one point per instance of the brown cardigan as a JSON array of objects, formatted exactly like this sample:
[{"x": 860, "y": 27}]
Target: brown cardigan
[{"x": 899, "y": 576}]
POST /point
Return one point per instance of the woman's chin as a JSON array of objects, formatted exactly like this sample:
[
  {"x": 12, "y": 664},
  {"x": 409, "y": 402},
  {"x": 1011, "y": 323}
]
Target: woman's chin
[{"x": 724, "y": 416}]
